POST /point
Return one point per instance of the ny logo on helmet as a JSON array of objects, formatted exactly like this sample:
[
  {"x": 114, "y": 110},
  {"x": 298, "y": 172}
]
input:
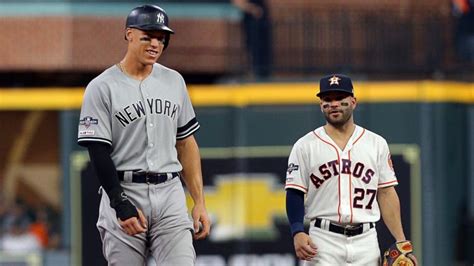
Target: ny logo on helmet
[{"x": 160, "y": 18}]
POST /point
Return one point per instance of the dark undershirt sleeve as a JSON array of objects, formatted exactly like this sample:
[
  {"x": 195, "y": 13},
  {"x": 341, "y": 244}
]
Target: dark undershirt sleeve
[
  {"x": 99, "y": 154},
  {"x": 295, "y": 210}
]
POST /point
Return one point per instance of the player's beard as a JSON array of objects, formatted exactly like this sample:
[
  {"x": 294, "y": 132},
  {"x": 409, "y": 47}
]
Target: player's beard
[{"x": 341, "y": 120}]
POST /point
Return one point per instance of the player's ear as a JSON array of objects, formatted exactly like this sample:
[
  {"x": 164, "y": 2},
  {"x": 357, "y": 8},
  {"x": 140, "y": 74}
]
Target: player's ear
[
  {"x": 128, "y": 34},
  {"x": 354, "y": 102}
]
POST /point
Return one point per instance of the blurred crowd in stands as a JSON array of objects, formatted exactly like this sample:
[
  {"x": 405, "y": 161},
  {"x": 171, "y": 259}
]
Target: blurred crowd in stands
[
  {"x": 26, "y": 229},
  {"x": 463, "y": 10}
]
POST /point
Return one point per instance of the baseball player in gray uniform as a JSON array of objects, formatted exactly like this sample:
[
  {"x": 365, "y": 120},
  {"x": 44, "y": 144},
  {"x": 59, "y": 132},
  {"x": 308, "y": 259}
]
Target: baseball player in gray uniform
[{"x": 137, "y": 122}]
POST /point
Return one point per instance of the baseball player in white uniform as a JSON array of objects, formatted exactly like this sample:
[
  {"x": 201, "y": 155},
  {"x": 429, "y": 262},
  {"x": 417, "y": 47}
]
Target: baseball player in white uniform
[
  {"x": 340, "y": 177},
  {"x": 137, "y": 122}
]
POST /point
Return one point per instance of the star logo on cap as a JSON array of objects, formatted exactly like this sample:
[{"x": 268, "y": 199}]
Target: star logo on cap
[{"x": 334, "y": 80}]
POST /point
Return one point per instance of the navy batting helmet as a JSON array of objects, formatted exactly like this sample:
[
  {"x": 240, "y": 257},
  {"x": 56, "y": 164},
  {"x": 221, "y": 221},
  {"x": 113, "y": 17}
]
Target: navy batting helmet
[{"x": 149, "y": 17}]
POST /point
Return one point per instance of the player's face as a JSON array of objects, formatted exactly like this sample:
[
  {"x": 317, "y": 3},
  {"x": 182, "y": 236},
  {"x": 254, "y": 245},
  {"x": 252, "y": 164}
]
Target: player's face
[
  {"x": 337, "y": 107},
  {"x": 147, "y": 45}
]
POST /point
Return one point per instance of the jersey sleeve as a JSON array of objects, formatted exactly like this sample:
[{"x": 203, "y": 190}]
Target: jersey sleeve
[
  {"x": 187, "y": 122},
  {"x": 387, "y": 173},
  {"x": 94, "y": 121},
  {"x": 297, "y": 173}
]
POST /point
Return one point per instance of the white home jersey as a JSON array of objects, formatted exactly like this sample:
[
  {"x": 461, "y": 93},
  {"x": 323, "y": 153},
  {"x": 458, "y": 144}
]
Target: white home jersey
[{"x": 341, "y": 185}]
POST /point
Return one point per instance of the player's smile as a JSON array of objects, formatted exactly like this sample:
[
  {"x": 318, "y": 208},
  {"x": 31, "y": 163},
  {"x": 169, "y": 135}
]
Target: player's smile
[{"x": 152, "y": 53}]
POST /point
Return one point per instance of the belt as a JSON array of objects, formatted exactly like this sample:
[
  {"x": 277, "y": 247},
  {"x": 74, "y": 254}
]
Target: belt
[
  {"x": 145, "y": 177},
  {"x": 349, "y": 230}
]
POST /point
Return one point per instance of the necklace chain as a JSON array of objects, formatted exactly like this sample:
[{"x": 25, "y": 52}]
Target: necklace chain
[
  {"x": 122, "y": 69},
  {"x": 119, "y": 64}
]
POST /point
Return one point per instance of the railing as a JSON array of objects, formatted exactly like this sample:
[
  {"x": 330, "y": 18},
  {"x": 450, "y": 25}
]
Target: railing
[{"x": 312, "y": 41}]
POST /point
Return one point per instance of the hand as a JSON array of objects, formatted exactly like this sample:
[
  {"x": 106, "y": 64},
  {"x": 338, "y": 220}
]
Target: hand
[
  {"x": 304, "y": 247},
  {"x": 134, "y": 225},
  {"x": 202, "y": 223}
]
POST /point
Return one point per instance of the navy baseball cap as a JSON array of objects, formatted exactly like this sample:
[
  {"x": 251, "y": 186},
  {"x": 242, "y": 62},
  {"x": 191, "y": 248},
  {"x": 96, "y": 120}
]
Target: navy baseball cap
[{"x": 335, "y": 82}]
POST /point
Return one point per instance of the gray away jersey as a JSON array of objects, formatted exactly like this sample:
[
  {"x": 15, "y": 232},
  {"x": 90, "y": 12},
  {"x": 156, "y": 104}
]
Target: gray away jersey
[{"x": 140, "y": 120}]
